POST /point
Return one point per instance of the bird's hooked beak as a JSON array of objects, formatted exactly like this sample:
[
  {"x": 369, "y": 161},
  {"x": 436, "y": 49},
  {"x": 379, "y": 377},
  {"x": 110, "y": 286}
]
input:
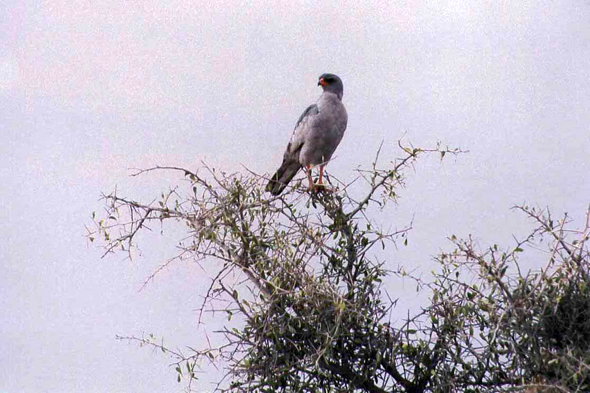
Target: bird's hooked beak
[{"x": 322, "y": 82}]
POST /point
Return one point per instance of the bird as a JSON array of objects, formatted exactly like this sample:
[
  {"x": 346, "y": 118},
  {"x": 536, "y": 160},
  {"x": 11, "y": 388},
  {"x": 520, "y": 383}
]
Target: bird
[{"x": 316, "y": 136}]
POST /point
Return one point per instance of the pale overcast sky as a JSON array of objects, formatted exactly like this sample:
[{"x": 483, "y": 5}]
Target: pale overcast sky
[{"x": 89, "y": 89}]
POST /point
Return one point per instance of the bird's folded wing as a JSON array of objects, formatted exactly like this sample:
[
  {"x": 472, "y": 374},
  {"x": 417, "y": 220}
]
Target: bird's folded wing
[
  {"x": 291, "y": 165},
  {"x": 300, "y": 131}
]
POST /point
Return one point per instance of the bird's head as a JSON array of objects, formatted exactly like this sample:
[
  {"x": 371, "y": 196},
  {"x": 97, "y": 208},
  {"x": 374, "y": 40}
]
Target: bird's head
[{"x": 331, "y": 83}]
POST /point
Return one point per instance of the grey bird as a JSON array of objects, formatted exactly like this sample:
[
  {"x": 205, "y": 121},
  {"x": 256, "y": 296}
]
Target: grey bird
[{"x": 317, "y": 134}]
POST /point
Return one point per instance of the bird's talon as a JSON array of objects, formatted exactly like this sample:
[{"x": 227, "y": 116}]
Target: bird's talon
[{"x": 317, "y": 188}]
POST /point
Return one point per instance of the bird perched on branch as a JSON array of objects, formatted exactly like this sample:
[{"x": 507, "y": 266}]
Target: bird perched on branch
[{"x": 317, "y": 134}]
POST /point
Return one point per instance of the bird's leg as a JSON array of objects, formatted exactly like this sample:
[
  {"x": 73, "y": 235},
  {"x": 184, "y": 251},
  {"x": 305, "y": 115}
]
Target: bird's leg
[
  {"x": 320, "y": 183},
  {"x": 311, "y": 185}
]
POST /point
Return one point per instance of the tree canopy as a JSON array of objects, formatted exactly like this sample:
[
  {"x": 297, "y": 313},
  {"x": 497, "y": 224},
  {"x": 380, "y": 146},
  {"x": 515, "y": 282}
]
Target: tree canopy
[{"x": 310, "y": 313}]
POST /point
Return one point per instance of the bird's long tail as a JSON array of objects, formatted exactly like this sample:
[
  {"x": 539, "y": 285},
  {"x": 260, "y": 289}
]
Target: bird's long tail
[{"x": 284, "y": 174}]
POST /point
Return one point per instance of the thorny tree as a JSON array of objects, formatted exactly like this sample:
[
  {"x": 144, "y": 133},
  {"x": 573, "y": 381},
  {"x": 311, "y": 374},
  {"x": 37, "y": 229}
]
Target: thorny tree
[{"x": 312, "y": 315}]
